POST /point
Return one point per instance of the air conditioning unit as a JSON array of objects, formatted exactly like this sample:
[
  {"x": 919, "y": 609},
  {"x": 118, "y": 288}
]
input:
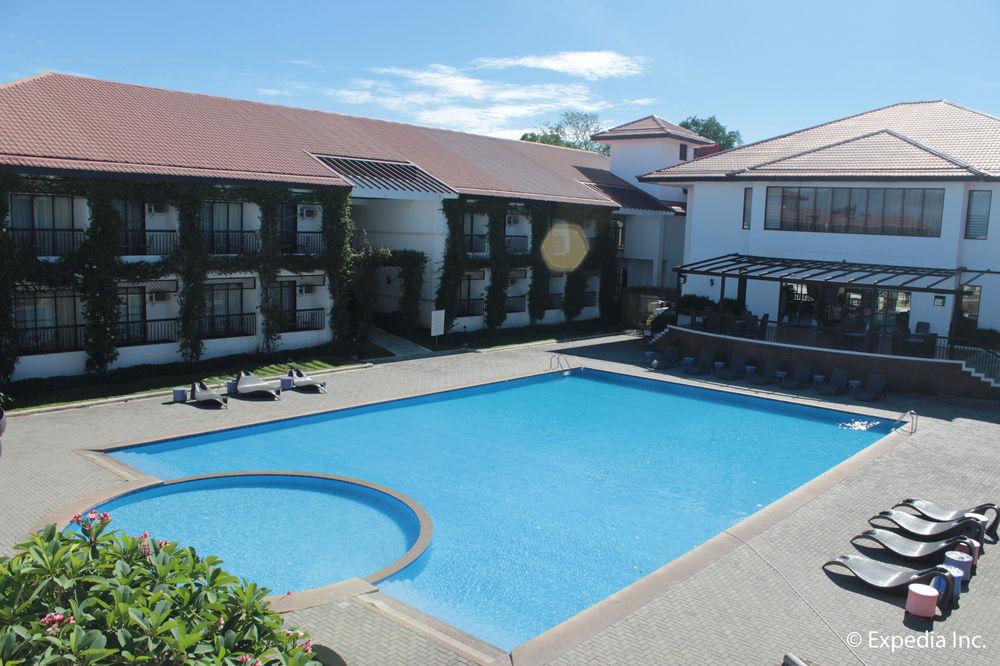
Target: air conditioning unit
[
  {"x": 307, "y": 289},
  {"x": 158, "y": 296},
  {"x": 155, "y": 209},
  {"x": 512, "y": 219},
  {"x": 308, "y": 212}
]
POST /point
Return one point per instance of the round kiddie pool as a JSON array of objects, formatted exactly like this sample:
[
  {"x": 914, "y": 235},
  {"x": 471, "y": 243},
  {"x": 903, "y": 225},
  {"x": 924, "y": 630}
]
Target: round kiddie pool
[{"x": 285, "y": 531}]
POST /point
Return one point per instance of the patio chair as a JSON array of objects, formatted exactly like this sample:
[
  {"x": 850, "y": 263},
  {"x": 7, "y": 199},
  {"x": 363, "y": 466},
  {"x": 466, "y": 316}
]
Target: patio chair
[
  {"x": 873, "y": 390},
  {"x": 248, "y": 383},
  {"x": 800, "y": 377},
  {"x": 934, "y": 511},
  {"x": 929, "y": 529},
  {"x": 301, "y": 380},
  {"x": 767, "y": 375},
  {"x": 701, "y": 364},
  {"x": 670, "y": 357},
  {"x": 201, "y": 394},
  {"x": 910, "y": 549},
  {"x": 837, "y": 383},
  {"x": 894, "y": 580},
  {"x": 737, "y": 366}
]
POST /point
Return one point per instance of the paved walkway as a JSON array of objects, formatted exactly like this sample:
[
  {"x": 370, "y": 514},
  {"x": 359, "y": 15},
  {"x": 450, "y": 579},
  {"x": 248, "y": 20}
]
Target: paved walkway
[
  {"x": 755, "y": 603},
  {"x": 399, "y": 347}
]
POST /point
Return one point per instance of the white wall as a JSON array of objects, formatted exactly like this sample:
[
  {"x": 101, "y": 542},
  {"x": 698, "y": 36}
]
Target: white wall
[{"x": 631, "y": 158}]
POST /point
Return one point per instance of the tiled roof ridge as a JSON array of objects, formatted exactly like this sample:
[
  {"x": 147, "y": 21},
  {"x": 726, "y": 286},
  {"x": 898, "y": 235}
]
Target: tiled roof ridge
[{"x": 281, "y": 106}]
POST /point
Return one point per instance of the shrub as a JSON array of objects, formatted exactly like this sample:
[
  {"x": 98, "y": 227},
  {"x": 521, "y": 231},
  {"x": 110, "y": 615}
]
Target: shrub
[
  {"x": 695, "y": 302},
  {"x": 92, "y": 597}
]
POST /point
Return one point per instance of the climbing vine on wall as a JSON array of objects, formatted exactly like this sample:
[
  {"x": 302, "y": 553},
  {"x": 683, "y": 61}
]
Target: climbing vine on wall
[
  {"x": 495, "y": 309},
  {"x": 538, "y": 290},
  {"x": 338, "y": 233},
  {"x": 99, "y": 270},
  {"x": 454, "y": 266},
  {"x": 8, "y": 275},
  {"x": 605, "y": 253}
]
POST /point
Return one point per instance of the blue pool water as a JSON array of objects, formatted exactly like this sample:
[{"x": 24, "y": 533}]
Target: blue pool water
[
  {"x": 265, "y": 527},
  {"x": 547, "y": 494}
]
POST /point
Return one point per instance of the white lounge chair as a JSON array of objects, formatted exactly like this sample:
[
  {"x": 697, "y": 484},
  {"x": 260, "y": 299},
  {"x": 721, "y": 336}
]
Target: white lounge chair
[
  {"x": 202, "y": 394},
  {"x": 248, "y": 383},
  {"x": 301, "y": 380}
]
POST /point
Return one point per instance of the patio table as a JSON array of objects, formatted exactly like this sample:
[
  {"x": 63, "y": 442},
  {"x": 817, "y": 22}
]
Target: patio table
[{"x": 853, "y": 385}]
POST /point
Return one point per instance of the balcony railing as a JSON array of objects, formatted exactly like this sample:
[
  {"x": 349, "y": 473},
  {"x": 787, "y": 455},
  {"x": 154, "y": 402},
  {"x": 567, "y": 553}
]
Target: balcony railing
[
  {"x": 149, "y": 332},
  {"x": 516, "y": 244},
  {"x": 231, "y": 242},
  {"x": 554, "y": 302},
  {"x": 50, "y": 339},
  {"x": 229, "y": 325},
  {"x": 517, "y": 304},
  {"x": 302, "y": 320},
  {"x": 309, "y": 242},
  {"x": 470, "y": 307},
  {"x": 136, "y": 242},
  {"x": 48, "y": 242},
  {"x": 475, "y": 243}
]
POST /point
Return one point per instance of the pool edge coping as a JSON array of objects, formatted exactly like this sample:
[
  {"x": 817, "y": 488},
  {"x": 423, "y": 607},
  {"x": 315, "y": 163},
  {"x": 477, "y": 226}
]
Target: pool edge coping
[{"x": 291, "y": 601}]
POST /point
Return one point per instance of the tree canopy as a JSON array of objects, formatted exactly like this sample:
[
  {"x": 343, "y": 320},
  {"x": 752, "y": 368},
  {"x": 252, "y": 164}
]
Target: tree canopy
[
  {"x": 573, "y": 130},
  {"x": 711, "y": 128}
]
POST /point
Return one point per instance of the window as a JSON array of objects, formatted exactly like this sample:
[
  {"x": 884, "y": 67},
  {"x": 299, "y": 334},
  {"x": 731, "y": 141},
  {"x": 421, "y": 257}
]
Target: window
[
  {"x": 856, "y": 210},
  {"x": 971, "y": 297},
  {"x": 684, "y": 151},
  {"x": 131, "y": 315},
  {"x": 747, "y": 205},
  {"x": 44, "y": 224},
  {"x": 47, "y": 321},
  {"x": 133, "y": 218},
  {"x": 223, "y": 299},
  {"x": 977, "y": 216},
  {"x": 222, "y": 222}
]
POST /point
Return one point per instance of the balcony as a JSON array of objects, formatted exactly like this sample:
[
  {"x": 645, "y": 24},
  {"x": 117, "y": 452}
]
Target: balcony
[
  {"x": 516, "y": 304},
  {"x": 47, "y": 242},
  {"x": 516, "y": 244},
  {"x": 303, "y": 320},
  {"x": 470, "y": 307},
  {"x": 229, "y": 325},
  {"x": 160, "y": 243},
  {"x": 231, "y": 242},
  {"x": 475, "y": 243},
  {"x": 306, "y": 242},
  {"x": 50, "y": 339},
  {"x": 149, "y": 332},
  {"x": 554, "y": 302}
]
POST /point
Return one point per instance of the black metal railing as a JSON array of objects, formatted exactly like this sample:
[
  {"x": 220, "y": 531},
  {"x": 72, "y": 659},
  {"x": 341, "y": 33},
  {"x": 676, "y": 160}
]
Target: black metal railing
[
  {"x": 231, "y": 242},
  {"x": 48, "y": 242},
  {"x": 470, "y": 307},
  {"x": 475, "y": 243},
  {"x": 50, "y": 339},
  {"x": 516, "y": 244},
  {"x": 309, "y": 242},
  {"x": 982, "y": 359},
  {"x": 554, "y": 302},
  {"x": 302, "y": 320},
  {"x": 149, "y": 332},
  {"x": 517, "y": 303},
  {"x": 229, "y": 325},
  {"x": 137, "y": 242}
]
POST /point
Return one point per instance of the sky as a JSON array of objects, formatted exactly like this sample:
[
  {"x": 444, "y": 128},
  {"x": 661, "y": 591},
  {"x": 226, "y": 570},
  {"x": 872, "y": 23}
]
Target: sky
[{"x": 503, "y": 68}]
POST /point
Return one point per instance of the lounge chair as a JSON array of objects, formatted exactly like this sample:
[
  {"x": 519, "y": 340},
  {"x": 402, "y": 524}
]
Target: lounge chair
[
  {"x": 701, "y": 364},
  {"x": 928, "y": 529},
  {"x": 909, "y": 549},
  {"x": 248, "y": 383},
  {"x": 669, "y": 358},
  {"x": 837, "y": 383},
  {"x": 934, "y": 511},
  {"x": 800, "y": 377},
  {"x": 767, "y": 375},
  {"x": 894, "y": 580},
  {"x": 301, "y": 380},
  {"x": 202, "y": 394},
  {"x": 737, "y": 366},
  {"x": 873, "y": 390}
]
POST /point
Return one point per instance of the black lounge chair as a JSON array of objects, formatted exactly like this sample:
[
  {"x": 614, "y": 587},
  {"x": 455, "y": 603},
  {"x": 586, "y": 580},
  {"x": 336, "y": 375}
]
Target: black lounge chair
[
  {"x": 248, "y": 383},
  {"x": 301, "y": 380},
  {"x": 669, "y": 358},
  {"x": 894, "y": 580},
  {"x": 767, "y": 375},
  {"x": 837, "y": 383},
  {"x": 800, "y": 377},
  {"x": 873, "y": 390},
  {"x": 202, "y": 394},
  {"x": 934, "y": 511},
  {"x": 701, "y": 364},
  {"x": 737, "y": 366},
  {"x": 909, "y": 549},
  {"x": 928, "y": 529}
]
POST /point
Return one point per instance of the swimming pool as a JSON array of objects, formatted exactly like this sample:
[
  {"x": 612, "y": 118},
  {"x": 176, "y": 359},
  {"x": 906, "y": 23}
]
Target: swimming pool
[{"x": 548, "y": 493}]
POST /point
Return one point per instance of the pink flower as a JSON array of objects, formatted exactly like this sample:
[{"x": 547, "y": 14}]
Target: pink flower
[
  {"x": 222, "y": 623},
  {"x": 105, "y": 517},
  {"x": 258, "y": 663},
  {"x": 244, "y": 659},
  {"x": 77, "y": 518},
  {"x": 53, "y": 630},
  {"x": 145, "y": 549},
  {"x": 144, "y": 535},
  {"x": 163, "y": 543},
  {"x": 93, "y": 515},
  {"x": 308, "y": 646}
]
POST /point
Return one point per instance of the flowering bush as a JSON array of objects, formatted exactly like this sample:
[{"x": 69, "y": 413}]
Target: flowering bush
[{"x": 98, "y": 597}]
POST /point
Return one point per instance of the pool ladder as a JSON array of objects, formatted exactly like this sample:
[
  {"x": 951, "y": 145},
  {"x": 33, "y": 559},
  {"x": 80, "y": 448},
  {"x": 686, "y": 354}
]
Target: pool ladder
[
  {"x": 560, "y": 362},
  {"x": 912, "y": 415}
]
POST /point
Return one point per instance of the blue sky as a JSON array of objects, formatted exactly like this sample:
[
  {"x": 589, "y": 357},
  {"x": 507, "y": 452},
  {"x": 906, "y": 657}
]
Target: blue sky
[{"x": 505, "y": 67}]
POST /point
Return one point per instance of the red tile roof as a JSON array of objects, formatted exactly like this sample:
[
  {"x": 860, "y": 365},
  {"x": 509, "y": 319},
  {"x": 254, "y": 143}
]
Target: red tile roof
[
  {"x": 908, "y": 140},
  {"x": 69, "y": 123},
  {"x": 631, "y": 198},
  {"x": 648, "y": 127}
]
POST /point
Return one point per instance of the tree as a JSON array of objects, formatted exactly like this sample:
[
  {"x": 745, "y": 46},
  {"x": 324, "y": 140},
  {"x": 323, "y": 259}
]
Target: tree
[
  {"x": 573, "y": 130},
  {"x": 711, "y": 128}
]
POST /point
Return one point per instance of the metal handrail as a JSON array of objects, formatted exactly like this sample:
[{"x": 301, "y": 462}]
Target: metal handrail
[
  {"x": 992, "y": 360},
  {"x": 912, "y": 414}
]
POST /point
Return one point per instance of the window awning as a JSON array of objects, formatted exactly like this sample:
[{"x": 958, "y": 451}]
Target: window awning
[
  {"x": 387, "y": 175},
  {"x": 844, "y": 273}
]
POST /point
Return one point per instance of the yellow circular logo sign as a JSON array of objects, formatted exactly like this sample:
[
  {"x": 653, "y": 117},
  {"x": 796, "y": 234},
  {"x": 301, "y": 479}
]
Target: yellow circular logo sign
[{"x": 564, "y": 247}]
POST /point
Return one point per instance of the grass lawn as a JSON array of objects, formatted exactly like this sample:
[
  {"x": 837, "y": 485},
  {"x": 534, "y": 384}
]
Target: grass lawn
[
  {"x": 126, "y": 381},
  {"x": 513, "y": 336}
]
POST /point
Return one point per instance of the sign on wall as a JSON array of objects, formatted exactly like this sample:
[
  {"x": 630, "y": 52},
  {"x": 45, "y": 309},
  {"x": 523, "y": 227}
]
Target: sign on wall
[{"x": 437, "y": 322}]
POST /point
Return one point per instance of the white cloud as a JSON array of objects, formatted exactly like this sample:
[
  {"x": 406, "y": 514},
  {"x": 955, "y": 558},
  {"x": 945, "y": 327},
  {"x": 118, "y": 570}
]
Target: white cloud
[
  {"x": 641, "y": 101},
  {"x": 302, "y": 62},
  {"x": 273, "y": 92},
  {"x": 590, "y": 65}
]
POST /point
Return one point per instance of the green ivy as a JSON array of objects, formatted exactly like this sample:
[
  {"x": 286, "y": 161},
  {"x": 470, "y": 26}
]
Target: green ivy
[
  {"x": 338, "y": 232},
  {"x": 455, "y": 259},
  {"x": 605, "y": 252},
  {"x": 499, "y": 264},
  {"x": 9, "y": 274},
  {"x": 191, "y": 264},
  {"x": 538, "y": 290},
  {"x": 412, "y": 264}
]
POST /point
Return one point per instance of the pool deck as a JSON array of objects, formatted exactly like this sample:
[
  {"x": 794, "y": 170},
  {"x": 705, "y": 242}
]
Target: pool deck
[{"x": 750, "y": 595}]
